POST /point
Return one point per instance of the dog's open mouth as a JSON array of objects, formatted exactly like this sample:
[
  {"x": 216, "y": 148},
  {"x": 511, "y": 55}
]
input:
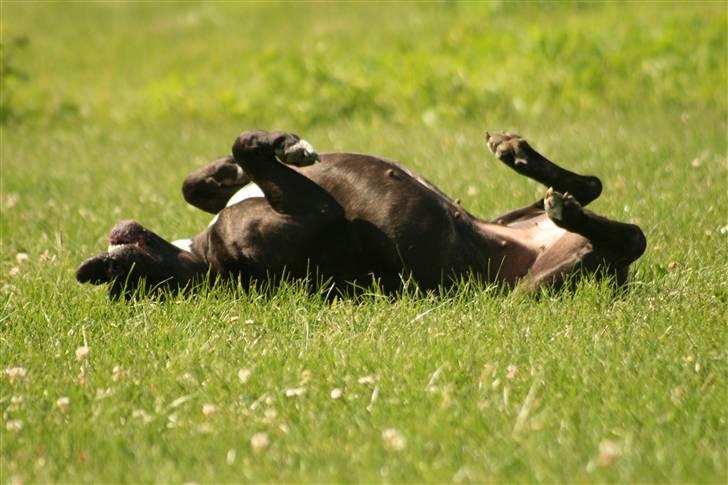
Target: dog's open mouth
[
  {"x": 127, "y": 234},
  {"x": 132, "y": 249},
  {"x": 118, "y": 246}
]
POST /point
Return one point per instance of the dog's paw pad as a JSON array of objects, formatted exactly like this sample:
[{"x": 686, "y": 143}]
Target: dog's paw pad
[
  {"x": 560, "y": 206},
  {"x": 229, "y": 174},
  {"x": 507, "y": 147},
  {"x": 553, "y": 204},
  {"x": 300, "y": 153}
]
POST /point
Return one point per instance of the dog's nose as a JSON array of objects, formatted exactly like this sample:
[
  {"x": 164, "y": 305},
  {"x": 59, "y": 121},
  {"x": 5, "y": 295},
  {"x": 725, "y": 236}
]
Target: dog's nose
[{"x": 94, "y": 270}]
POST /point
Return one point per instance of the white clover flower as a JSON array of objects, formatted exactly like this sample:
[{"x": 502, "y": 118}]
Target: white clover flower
[
  {"x": 609, "y": 451},
  {"x": 14, "y": 425},
  {"x": 82, "y": 353},
  {"x": 295, "y": 391},
  {"x": 244, "y": 375},
  {"x": 393, "y": 439},
  {"x": 259, "y": 441},
  {"x": 16, "y": 374},
  {"x": 367, "y": 380},
  {"x": 63, "y": 403},
  {"x": 118, "y": 373}
]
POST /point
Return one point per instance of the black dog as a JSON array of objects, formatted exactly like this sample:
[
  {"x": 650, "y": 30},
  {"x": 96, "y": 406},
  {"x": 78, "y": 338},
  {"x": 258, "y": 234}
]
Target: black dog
[{"x": 349, "y": 219}]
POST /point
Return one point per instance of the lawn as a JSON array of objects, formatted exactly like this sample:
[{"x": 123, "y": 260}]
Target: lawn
[{"x": 106, "y": 106}]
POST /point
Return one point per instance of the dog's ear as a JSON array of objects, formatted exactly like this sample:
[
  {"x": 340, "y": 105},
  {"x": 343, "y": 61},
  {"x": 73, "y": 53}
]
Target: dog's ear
[{"x": 94, "y": 270}]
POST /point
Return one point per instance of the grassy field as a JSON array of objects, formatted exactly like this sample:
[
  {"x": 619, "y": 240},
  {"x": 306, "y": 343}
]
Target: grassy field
[{"x": 106, "y": 106}]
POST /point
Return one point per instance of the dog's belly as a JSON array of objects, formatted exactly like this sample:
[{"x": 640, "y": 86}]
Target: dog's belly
[
  {"x": 543, "y": 233},
  {"x": 393, "y": 222},
  {"x": 400, "y": 221}
]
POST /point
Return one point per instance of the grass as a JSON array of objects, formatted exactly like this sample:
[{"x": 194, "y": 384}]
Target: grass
[{"x": 469, "y": 386}]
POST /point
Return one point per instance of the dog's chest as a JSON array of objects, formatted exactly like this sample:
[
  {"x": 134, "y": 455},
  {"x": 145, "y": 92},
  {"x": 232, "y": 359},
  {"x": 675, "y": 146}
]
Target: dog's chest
[{"x": 247, "y": 192}]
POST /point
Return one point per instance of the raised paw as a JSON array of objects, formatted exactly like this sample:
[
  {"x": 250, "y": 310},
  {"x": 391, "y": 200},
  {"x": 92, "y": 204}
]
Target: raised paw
[
  {"x": 266, "y": 146},
  {"x": 561, "y": 207},
  {"x": 509, "y": 148},
  {"x": 228, "y": 173},
  {"x": 300, "y": 153}
]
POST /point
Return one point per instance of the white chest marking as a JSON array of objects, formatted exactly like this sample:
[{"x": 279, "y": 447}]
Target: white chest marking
[
  {"x": 248, "y": 192},
  {"x": 183, "y": 244}
]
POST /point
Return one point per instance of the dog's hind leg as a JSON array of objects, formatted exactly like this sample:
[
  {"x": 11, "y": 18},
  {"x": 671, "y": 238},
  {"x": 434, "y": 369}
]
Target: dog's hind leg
[
  {"x": 625, "y": 241},
  {"x": 611, "y": 246},
  {"x": 260, "y": 154},
  {"x": 517, "y": 154},
  {"x": 592, "y": 245}
]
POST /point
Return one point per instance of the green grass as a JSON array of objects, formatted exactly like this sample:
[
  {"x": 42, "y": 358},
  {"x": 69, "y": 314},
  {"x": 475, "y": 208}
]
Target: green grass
[{"x": 578, "y": 387}]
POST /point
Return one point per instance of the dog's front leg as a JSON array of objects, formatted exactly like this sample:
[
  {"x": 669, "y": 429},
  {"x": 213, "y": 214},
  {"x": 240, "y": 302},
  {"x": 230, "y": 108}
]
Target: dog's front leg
[
  {"x": 286, "y": 190},
  {"x": 209, "y": 188}
]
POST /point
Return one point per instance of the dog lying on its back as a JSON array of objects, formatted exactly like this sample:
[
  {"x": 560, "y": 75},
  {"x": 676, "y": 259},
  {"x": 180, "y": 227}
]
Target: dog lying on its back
[{"x": 350, "y": 219}]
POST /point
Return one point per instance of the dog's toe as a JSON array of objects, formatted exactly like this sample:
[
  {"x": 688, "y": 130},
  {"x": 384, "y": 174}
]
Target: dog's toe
[
  {"x": 553, "y": 204},
  {"x": 561, "y": 208},
  {"x": 300, "y": 154},
  {"x": 506, "y": 146}
]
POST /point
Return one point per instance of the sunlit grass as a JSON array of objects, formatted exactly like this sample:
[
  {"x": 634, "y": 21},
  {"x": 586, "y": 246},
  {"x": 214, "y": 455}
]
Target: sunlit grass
[{"x": 119, "y": 102}]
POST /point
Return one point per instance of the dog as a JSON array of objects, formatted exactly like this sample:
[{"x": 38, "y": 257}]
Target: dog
[{"x": 349, "y": 220}]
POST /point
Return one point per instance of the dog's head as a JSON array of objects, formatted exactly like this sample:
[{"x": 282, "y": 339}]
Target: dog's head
[{"x": 137, "y": 255}]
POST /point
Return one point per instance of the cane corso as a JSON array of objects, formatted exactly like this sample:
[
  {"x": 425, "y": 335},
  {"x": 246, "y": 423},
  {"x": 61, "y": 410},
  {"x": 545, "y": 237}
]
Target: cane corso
[{"x": 348, "y": 220}]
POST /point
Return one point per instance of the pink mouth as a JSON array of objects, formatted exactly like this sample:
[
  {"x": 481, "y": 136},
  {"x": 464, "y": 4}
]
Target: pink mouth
[{"x": 126, "y": 234}]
